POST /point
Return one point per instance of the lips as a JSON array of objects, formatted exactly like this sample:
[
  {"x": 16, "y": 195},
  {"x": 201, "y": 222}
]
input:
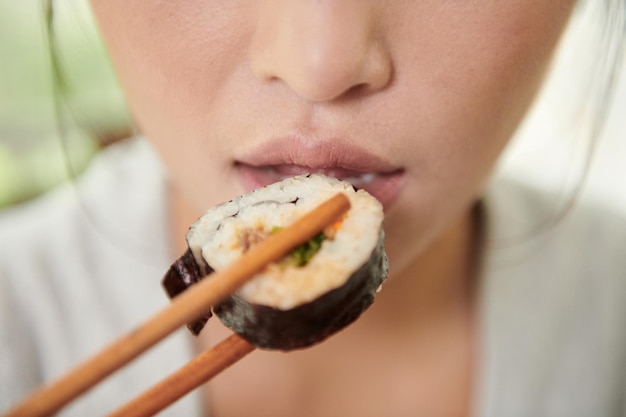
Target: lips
[{"x": 281, "y": 158}]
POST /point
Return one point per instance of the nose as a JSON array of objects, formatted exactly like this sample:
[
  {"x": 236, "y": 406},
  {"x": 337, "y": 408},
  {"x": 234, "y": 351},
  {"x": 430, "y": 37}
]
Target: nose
[{"x": 321, "y": 49}]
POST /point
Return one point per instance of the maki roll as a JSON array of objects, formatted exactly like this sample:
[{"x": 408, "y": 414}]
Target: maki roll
[{"x": 314, "y": 291}]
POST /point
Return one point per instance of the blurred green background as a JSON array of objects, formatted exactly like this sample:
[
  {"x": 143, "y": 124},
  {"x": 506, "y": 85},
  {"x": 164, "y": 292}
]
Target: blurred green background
[{"x": 37, "y": 148}]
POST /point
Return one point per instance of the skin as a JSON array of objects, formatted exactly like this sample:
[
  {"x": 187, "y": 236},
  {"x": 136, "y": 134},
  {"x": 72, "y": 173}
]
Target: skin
[{"x": 433, "y": 88}]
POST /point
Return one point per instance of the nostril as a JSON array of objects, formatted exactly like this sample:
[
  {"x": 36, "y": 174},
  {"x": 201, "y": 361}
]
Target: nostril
[{"x": 357, "y": 91}]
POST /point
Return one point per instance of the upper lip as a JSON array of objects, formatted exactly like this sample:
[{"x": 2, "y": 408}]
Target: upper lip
[{"x": 333, "y": 156}]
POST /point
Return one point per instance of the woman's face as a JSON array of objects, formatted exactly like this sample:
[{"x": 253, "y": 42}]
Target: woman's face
[{"x": 413, "y": 100}]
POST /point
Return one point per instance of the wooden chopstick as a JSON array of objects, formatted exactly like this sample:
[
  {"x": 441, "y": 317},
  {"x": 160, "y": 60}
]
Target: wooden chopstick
[
  {"x": 184, "y": 308},
  {"x": 195, "y": 373}
]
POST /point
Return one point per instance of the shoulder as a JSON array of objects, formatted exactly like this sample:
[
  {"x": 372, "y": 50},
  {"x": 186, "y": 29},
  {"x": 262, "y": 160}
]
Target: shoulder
[
  {"x": 86, "y": 236},
  {"x": 522, "y": 218},
  {"x": 564, "y": 260},
  {"x": 81, "y": 265},
  {"x": 571, "y": 254},
  {"x": 553, "y": 304},
  {"x": 32, "y": 226},
  {"x": 119, "y": 182}
]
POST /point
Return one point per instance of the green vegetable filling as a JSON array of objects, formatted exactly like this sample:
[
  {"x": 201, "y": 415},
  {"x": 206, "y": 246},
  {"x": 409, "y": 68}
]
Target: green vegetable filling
[{"x": 301, "y": 255}]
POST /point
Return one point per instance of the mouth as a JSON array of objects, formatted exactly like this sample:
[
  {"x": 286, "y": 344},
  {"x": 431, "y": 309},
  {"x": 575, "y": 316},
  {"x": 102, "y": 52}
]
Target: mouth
[{"x": 279, "y": 159}]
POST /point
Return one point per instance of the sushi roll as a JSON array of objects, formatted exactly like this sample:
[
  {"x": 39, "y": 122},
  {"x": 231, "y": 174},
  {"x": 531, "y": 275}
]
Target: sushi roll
[{"x": 314, "y": 291}]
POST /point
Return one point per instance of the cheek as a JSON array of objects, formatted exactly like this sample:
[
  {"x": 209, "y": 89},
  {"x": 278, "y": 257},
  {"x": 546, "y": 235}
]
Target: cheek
[
  {"x": 174, "y": 61},
  {"x": 470, "y": 75},
  {"x": 172, "y": 58},
  {"x": 466, "y": 90}
]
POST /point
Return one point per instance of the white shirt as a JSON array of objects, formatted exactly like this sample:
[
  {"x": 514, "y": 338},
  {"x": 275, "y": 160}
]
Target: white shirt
[
  {"x": 82, "y": 266},
  {"x": 554, "y": 309}
]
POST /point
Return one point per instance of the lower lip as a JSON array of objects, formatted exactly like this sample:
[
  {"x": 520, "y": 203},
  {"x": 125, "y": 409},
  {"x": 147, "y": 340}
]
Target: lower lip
[{"x": 385, "y": 187}]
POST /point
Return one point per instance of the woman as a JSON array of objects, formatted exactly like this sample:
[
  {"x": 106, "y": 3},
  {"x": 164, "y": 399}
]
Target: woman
[{"x": 413, "y": 101}]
